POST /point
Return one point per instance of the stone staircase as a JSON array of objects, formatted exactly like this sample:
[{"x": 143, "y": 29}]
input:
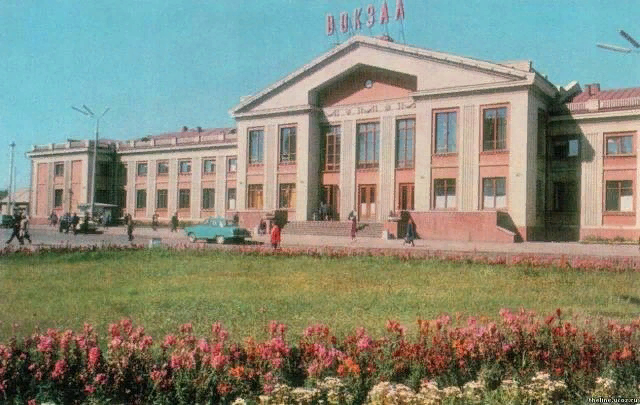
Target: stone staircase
[{"x": 333, "y": 228}]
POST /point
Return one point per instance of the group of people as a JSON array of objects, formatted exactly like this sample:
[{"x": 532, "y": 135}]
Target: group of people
[
  {"x": 20, "y": 228},
  {"x": 68, "y": 222}
]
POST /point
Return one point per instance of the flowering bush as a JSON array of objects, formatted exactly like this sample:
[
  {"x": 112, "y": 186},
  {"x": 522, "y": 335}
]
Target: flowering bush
[{"x": 521, "y": 359}]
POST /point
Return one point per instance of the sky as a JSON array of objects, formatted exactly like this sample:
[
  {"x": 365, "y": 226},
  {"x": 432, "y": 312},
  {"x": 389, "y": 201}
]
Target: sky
[{"x": 162, "y": 64}]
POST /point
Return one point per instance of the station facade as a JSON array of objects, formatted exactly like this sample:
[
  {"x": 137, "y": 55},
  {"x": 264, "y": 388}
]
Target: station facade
[{"x": 468, "y": 149}]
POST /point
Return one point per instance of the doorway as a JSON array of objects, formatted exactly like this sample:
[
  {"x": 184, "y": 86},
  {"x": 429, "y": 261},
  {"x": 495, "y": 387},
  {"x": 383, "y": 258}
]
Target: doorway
[
  {"x": 331, "y": 197},
  {"x": 367, "y": 202}
]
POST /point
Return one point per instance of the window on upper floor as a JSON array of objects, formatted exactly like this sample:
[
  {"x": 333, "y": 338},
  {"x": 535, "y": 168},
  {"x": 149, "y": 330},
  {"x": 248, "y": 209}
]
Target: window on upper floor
[
  {"x": 232, "y": 165},
  {"x": 619, "y": 145},
  {"x": 446, "y": 127},
  {"x": 142, "y": 169},
  {"x": 287, "y": 144},
  {"x": 209, "y": 166},
  {"x": 256, "y": 146},
  {"x": 58, "y": 169},
  {"x": 332, "y": 148},
  {"x": 405, "y": 138},
  {"x": 163, "y": 168},
  {"x": 565, "y": 147},
  {"x": 184, "y": 166},
  {"x": 494, "y": 129},
  {"x": 368, "y": 145}
]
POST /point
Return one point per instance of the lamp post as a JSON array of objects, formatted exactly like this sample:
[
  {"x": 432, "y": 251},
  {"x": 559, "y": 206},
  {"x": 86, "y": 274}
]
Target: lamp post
[
  {"x": 11, "y": 179},
  {"x": 86, "y": 111},
  {"x": 622, "y": 49}
]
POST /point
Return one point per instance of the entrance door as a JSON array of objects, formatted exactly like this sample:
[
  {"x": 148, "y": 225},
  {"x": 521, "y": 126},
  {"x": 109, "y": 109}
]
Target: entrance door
[
  {"x": 367, "y": 202},
  {"x": 331, "y": 197}
]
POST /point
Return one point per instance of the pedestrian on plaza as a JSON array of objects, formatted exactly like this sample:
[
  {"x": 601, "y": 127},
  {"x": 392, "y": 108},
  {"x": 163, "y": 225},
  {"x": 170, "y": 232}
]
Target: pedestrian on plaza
[
  {"x": 154, "y": 222},
  {"x": 174, "y": 222},
  {"x": 24, "y": 229},
  {"x": 354, "y": 224},
  {"x": 15, "y": 227},
  {"x": 75, "y": 220},
  {"x": 275, "y": 236},
  {"x": 410, "y": 234},
  {"x": 130, "y": 229},
  {"x": 53, "y": 219},
  {"x": 323, "y": 211}
]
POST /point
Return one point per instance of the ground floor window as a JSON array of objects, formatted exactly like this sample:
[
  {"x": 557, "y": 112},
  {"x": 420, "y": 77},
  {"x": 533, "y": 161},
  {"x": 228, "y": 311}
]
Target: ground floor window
[
  {"x": 619, "y": 196},
  {"x": 444, "y": 194},
  {"x": 254, "y": 196},
  {"x": 208, "y": 198},
  {"x": 57, "y": 198},
  {"x": 162, "y": 199},
  {"x": 287, "y": 194},
  {"x": 494, "y": 193},
  {"x": 231, "y": 199},
  {"x": 184, "y": 200},
  {"x": 406, "y": 197},
  {"x": 141, "y": 199}
]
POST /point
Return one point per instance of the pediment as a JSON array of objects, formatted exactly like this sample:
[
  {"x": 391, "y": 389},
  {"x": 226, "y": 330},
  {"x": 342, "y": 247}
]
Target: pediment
[{"x": 338, "y": 76}]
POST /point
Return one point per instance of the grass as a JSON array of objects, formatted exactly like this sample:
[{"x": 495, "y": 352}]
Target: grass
[{"x": 160, "y": 290}]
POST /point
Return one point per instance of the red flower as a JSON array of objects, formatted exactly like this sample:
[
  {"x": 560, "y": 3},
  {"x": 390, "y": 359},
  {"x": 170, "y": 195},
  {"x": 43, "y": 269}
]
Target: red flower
[{"x": 223, "y": 389}]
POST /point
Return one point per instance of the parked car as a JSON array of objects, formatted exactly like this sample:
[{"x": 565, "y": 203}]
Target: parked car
[
  {"x": 6, "y": 221},
  {"x": 217, "y": 229}
]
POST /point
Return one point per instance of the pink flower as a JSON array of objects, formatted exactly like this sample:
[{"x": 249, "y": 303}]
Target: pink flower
[
  {"x": 32, "y": 402},
  {"x": 364, "y": 343},
  {"x": 186, "y": 328},
  {"x": 169, "y": 340},
  {"x": 203, "y": 346},
  {"x": 219, "y": 361},
  {"x": 115, "y": 343},
  {"x": 100, "y": 379},
  {"x": 45, "y": 345},
  {"x": 114, "y": 330},
  {"x": 89, "y": 389},
  {"x": 176, "y": 362},
  {"x": 146, "y": 342},
  {"x": 59, "y": 369},
  {"x": 94, "y": 357}
]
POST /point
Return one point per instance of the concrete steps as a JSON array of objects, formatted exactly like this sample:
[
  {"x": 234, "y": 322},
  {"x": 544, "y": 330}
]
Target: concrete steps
[{"x": 333, "y": 228}]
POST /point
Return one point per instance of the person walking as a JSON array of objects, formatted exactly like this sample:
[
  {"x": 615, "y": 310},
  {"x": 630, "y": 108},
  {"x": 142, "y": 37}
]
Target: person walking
[
  {"x": 130, "y": 229},
  {"x": 15, "y": 228},
  {"x": 354, "y": 224},
  {"x": 174, "y": 222},
  {"x": 24, "y": 229},
  {"x": 154, "y": 222},
  {"x": 75, "y": 220},
  {"x": 53, "y": 219},
  {"x": 410, "y": 235},
  {"x": 275, "y": 236}
]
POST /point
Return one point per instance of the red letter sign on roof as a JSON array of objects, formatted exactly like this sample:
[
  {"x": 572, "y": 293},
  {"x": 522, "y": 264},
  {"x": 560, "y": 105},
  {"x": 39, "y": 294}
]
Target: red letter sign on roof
[
  {"x": 384, "y": 13},
  {"x": 344, "y": 22},
  {"x": 371, "y": 12},
  {"x": 399, "y": 10},
  {"x": 331, "y": 25},
  {"x": 356, "y": 19}
]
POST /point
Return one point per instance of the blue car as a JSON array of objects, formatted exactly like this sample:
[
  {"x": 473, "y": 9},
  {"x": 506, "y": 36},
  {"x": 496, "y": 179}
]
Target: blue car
[{"x": 217, "y": 229}]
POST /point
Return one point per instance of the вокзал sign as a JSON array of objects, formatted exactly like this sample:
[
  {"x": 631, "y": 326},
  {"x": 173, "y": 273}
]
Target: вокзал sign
[{"x": 356, "y": 24}]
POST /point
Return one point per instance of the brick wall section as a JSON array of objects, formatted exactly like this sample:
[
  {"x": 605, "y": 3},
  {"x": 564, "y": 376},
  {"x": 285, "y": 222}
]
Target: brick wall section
[{"x": 461, "y": 226}]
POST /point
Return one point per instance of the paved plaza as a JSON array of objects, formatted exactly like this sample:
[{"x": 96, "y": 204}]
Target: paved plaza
[{"x": 44, "y": 235}]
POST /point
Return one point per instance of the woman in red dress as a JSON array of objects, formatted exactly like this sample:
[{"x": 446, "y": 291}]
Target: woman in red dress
[{"x": 275, "y": 236}]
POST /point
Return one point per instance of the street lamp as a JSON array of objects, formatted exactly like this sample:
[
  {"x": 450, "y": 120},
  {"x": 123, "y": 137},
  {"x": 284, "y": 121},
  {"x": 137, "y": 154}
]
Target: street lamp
[
  {"x": 622, "y": 49},
  {"x": 86, "y": 111}
]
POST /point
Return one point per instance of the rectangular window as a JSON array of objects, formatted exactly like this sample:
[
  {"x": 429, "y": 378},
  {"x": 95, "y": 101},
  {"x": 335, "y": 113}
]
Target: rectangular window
[
  {"x": 332, "y": 148},
  {"x": 405, "y": 138},
  {"x": 208, "y": 198},
  {"x": 619, "y": 196},
  {"x": 446, "y": 132},
  {"x": 254, "y": 196},
  {"x": 232, "y": 165},
  {"x": 406, "y": 197},
  {"x": 231, "y": 199},
  {"x": 288, "y": 144},
  {"x": 444, "y": 194},
  {"x": 142, "y": 169},
  {"x": 141, "y": 199},
  {"x": 162, "y": 199},
  {"x": 184, "y": 166},
  {"x": 256, "y": 146},
  {"x": 57, "y": 198},
  {"x": 565, "y": 147},
  {"x": 494, "y": 129},
  {"x": 620, "y": 145},
  {"x": 163, "y": 168},
  {"x": 58, "y": 169},
  {"x": 287, "y": 193},
  {"x": 184, "y": 198},
  {"x": 368, "y": 145},
  {"x": 209, "y": 166},
  {"x": 494, "y": 193}
]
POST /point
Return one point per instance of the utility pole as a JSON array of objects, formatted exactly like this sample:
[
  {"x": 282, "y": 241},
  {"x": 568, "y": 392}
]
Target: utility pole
[{"x": 11, "y": 176}]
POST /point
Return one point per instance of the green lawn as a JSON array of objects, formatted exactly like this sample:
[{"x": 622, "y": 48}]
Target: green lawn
[{"x": 161, "y": 290}]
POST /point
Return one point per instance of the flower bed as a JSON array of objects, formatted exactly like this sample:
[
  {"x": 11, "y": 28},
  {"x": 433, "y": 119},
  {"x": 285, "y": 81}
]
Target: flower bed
[{"x": 521, "y": 359}]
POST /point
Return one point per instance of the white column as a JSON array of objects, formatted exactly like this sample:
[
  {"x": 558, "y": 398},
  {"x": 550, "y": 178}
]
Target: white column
[
  {"x": 132, "y": 168},
  {"x": 347, "y": 169},
  {"x": 172, "y": 204},
  {"x": 303, "y": 134},
  {"x": 152, "y": 169},
  {"x": 196, "y": 187},
  {"x": 467, "y": 188},
  {"x": 270, "y": 167},
  {"x": 423, "y": 157},
  {"x": 66, "y": 185},
  {"x": 221, "y": 187},
  {"x": 385, "y": 195}
]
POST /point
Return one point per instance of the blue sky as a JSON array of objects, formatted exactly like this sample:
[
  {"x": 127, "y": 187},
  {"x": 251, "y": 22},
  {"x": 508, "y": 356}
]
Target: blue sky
[{"x": 162, "y": 64}]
